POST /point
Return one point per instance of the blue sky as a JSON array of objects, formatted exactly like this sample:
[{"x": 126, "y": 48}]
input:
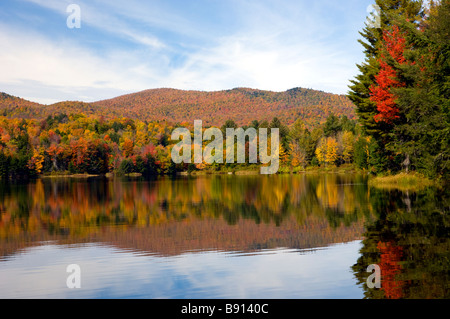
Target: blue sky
[{"x": 128, "y": 46}]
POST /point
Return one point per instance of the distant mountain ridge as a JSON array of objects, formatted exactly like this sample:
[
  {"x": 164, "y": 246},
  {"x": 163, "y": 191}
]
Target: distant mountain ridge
[{"x": 215, "y": 107}]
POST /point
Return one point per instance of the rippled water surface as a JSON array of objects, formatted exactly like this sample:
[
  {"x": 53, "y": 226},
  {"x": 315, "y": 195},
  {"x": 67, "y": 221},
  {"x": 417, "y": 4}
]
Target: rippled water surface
[{"x": 300, "y": 236}]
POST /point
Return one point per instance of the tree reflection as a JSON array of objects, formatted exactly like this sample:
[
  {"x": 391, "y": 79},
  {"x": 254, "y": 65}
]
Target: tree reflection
[
  {"x": 409, "y": 240},
  {"x": 82, "y": 209},
  {"x": 406, "y": 234}
]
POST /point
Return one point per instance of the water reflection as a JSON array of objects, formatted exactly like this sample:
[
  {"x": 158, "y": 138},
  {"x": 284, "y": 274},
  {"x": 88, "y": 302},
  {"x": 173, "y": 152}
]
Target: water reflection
[
  {"x": 409, "y": 240},
  {"x": 222, "y": 229},
  {"x": 171, "y": 216},
  {"x": 108, "y": 272}
]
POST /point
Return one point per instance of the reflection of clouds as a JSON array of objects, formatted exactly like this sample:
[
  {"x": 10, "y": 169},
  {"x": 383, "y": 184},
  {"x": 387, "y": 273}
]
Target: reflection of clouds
[{"x": 107, "y": 272}]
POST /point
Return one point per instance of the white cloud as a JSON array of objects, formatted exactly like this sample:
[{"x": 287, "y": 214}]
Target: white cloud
[
  {"x": 262, "y": 62},
  {"x": 107, "y": 271},
  {"x": 66, "y": 67},
  {"x": 264, "y": 46}
]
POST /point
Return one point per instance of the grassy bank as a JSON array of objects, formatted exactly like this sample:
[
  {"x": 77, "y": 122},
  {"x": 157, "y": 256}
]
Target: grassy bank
[
  {"x": 342, "y": 169},
  {"x": 403, "y": 181},
  {"x": 255, "y": 170}
]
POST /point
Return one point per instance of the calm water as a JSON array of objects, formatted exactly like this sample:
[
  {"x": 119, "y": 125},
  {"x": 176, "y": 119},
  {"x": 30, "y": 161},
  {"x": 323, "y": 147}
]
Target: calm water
[{"x": 301, "y": 236}]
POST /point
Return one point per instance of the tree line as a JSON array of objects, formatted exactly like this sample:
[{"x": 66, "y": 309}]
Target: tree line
[
  {"x": 401, "y": 95},
  {"x": 79, "y": 144},
  {"x": 402, "y": 92}
]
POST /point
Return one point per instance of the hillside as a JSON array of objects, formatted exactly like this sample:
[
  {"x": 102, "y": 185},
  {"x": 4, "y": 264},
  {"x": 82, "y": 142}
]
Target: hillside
[
  {"x": 12, "y": 106},
  {"x": 241, "y": 104}
]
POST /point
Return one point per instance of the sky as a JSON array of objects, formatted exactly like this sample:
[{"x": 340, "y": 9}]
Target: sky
[{"x": 124, "y": 47}]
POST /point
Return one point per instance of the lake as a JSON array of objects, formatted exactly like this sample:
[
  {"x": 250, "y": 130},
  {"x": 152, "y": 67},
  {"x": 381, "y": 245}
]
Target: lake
[{"x": 299, "y": 236}]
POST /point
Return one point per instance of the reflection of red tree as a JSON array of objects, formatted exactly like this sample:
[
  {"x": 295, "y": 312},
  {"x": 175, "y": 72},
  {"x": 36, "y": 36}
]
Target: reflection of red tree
[{"x": 390, "y": 267}]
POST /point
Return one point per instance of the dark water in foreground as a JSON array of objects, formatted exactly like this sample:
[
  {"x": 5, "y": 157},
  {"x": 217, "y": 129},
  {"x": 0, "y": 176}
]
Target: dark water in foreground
[{"x": 301, "y": 236}]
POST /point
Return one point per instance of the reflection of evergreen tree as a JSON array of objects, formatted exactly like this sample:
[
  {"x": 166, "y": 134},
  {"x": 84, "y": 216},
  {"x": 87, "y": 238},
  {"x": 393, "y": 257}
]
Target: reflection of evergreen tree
[{"x": 410, "y": 242}]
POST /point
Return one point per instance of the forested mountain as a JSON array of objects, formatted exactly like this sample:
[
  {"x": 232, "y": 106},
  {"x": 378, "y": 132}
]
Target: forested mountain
[
  {"x": 12, "y": 106},
  {"x": 242, "y": 105},
  {"x": 16, "y": 107}
]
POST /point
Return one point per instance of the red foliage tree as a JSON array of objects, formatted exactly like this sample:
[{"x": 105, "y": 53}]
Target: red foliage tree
[{"x": 387, "y": 78}]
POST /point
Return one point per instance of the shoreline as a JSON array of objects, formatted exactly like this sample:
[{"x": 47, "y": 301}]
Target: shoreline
[
  {"x": 69, "y": 175},
  {"x": 348, "y": 169},
  {"x": 411, "y": 181}
]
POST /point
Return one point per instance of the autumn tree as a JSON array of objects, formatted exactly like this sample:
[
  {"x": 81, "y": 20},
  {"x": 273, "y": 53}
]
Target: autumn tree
[
  {"x": 331, "y": 155},
  {"x": 297, "y": 154},
  {"x": 36, "y": 161},
  {"x": 321, "y": 151},
  {"x": 301, "y": 142},
  {"x": 347, "y": 142},
  {"x": 373, "y": 91},
  {"x": 127, "y": 147},
  {"x": 360, "y": 88}
]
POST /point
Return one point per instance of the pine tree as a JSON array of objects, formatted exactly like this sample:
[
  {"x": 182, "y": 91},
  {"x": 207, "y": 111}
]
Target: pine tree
[
  {"x": 359, "y": 92},
  {"x": 362, "y": 88},
  {"x": 423, "y": 135},
  {"x": 332, "y": 126},
  {"x": 4, "y": 165},
  {"x": 300, "y": 138}
]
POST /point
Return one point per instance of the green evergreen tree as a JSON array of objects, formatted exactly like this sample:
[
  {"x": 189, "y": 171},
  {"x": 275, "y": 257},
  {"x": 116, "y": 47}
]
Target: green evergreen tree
[
  {"x": 4, "y": 166},
  {"x": 228, "y": 124},
  {"x": 360, "y": 156},
  {"x": 283, "y": 131},
  {"x": 423, "y": 134},
  {"x": 372, "y": 35},
  {"x": 301, "y": 136},
  {"x": 359, "y": 94},
  {"x": 348, "y": 125},
  {"x": 332, "y": 126}
]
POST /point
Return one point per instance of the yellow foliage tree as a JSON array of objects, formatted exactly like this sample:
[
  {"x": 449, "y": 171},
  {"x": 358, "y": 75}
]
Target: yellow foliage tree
[
  {"x": 283, "y": 155},
  {"x": 141, "y": 134},
  {"x": 298, "y": 156},
  {"x": 321, "y": 151},
  {"x": 347, "y": 146},
  {"x": 36, "y": 161},
  {"x": 127, "y": 147},
  {"x": 332, "y": 148}
]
